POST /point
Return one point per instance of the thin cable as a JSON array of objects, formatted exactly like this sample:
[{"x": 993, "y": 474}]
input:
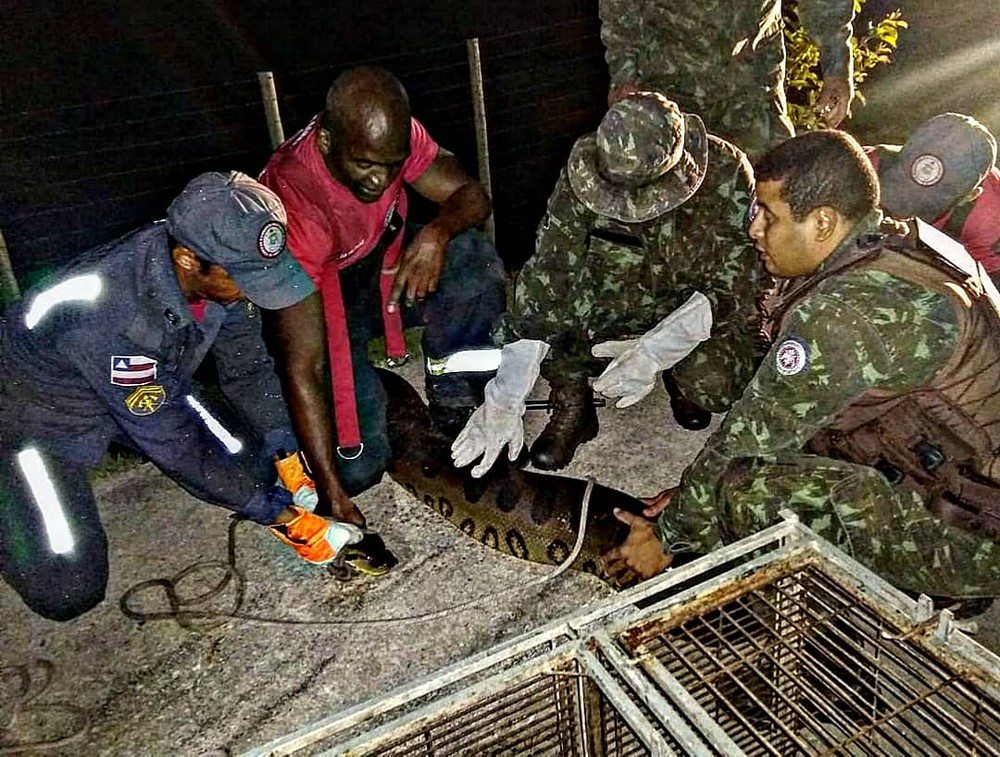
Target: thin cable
[
  {"x": 555, "y": 85},
  {"x": 138, "y": 145},
  {"x": 232, "y": 573},
  {"x": 522, "y": 52},
  {"x": 534, "y": 29},
  {"x": 163, "y": 167},
  {"x": 23, "y": 705},
  {"x": 20, "y": 217},
  {"x": 424, "y": 53}
]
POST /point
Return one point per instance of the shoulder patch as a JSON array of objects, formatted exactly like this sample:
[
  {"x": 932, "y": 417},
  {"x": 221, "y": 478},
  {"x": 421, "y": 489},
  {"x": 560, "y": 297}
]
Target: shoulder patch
[
  {"x": 146, "y": 400},
  {"x": 791, "y": 357},
  {"x": 132, "y": 370}
]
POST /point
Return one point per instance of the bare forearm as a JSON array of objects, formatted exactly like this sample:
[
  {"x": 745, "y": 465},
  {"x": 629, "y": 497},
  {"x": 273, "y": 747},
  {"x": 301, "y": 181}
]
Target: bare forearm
[
  {"x": 309, "y": 406},
  {"x": 467, "y": 207},
  {"x": 299, "y": 349}
]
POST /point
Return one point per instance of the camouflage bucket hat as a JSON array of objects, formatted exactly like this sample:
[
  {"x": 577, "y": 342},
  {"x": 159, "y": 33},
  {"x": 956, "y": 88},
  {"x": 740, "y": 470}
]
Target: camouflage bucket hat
[{"x": 646, "y": 158}]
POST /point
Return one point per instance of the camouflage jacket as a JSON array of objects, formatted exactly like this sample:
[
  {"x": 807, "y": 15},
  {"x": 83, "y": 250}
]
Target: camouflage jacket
[
  {"x": 856, "y": 331},
  {"x": 594, "y": 278}
]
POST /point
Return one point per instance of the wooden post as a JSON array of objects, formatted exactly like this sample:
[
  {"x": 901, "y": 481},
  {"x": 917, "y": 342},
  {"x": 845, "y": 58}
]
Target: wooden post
[
  {"x": 479, "y": 113},
  {"x": 9, "y": 290},
  {"x": 270, "y": 95}
]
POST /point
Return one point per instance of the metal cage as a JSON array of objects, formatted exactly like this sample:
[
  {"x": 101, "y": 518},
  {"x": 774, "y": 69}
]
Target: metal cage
[{"x": 777, "y": 645}]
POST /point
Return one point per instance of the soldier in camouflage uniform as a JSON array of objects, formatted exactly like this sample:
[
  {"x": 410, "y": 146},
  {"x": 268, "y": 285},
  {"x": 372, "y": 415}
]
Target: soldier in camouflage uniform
[
  {"x": 726, "y": 61},
  {"x": 854, "y": 337},
  {"x": 649, "y": 209}
]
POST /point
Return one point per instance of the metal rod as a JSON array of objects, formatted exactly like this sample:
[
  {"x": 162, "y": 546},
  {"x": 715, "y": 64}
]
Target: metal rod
[
  {"x": 586, "y": 724},
  {"x": 9, "y": 290},
  {"x": 546, "y": 404},
  {"x": 479, "y": 115},
  {"x": 270, "y": 97}
]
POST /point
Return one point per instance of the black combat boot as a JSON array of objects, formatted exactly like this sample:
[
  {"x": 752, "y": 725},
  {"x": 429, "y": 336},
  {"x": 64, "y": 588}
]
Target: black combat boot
[
  {"x": 573, "y": 422},
  {"x": 449, "y": 421},
  {"x": 687, "y": 414},
  {"x": 452, "y": 398}
]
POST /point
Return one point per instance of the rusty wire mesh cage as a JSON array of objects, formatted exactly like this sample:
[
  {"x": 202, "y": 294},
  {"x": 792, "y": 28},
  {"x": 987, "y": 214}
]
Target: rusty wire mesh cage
[
  {"x": 801, "y": 665},
  {"x": 777, "y": 645},
  {"x": 544, "y": 714}
]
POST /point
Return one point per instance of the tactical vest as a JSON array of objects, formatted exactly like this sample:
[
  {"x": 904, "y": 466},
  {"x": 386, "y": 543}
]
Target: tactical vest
[{"x": 941, "y": 440}]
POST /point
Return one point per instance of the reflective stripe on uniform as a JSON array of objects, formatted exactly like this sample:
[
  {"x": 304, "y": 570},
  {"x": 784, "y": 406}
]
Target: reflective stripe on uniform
[
  {"x": 86, "y": 288},
  {"x": 230, "y": 442},
  {"x": 466, "y": 361},
  {"x": 47, "y": 500}
]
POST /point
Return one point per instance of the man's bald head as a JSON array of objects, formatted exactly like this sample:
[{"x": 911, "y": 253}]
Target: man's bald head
[
  {"x": 366, "y": 130},
  {"x": 367, "y": 102}
]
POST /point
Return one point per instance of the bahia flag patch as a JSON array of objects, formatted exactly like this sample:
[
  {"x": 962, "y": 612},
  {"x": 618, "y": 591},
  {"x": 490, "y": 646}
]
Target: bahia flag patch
[{"x": 132, "y": 370}]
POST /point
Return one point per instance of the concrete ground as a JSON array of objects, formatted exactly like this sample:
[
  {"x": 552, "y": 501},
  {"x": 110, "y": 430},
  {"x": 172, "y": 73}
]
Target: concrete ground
[{"x": 303, "y": 646}]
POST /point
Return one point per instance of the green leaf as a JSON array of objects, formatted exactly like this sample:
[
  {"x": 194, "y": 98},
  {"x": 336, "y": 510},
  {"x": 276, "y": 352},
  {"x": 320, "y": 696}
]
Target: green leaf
[{"x": 871, "y": 47}]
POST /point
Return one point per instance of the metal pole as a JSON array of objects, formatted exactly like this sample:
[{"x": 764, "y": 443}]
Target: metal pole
[
  {"x": 9, "y": 290},
  {"x": 270, "y": 95},
  {"x": 479, "y": 112}
]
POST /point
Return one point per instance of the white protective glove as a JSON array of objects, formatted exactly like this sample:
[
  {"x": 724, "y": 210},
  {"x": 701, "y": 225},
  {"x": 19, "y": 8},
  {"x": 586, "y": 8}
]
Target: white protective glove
[
  {"x": 498, "y": 421},
  {"x": 637, "y": 362}
]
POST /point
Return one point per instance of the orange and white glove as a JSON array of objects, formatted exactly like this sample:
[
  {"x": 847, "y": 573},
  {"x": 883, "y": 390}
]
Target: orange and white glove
[
  {"x": 317, "y": 540},
  {"x": 293, "y": 476}
]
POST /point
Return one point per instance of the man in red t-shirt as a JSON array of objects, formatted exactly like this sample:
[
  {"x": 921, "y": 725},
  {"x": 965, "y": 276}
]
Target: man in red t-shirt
[
  {"x": 945, "y": 175},
  {"x": 342, "y": 179}
]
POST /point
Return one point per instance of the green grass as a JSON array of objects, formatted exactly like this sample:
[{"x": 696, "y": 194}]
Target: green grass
[
  {"x": 376, "y": 349},
  {"x": 116, "y": 461}
]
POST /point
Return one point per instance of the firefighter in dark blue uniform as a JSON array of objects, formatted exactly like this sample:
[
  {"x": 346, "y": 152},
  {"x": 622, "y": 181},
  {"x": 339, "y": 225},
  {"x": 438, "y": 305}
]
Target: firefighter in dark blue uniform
[{"x": 105, "y": 352}]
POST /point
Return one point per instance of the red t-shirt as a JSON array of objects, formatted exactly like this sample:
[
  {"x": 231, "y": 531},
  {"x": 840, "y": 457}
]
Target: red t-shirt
[
  {"x": 328, "y": 229},
  {"x": 197, "y": 309},
  {"x": 326, "y": 223}
]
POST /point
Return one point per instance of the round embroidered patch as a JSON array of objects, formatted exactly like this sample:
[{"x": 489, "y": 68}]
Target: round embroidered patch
[
  {"x": 927, "y": 170},
  {"x": 146, "y": 400},
  {"x": 792, "y": 357},
  {"x": 271, "y": 240}
]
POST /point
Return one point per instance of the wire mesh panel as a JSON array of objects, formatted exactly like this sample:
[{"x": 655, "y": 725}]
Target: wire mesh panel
[
  {"x": 801, "y": 665},
  {"x": 539, "y": 717},
  {"x": 558, "y": 711},
  {"x": 613, "y": 732}
]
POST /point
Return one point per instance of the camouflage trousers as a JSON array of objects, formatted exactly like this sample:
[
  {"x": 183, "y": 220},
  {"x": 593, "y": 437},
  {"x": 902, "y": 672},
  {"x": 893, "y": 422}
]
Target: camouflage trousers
[
  {"x": 742, "y": 107},
  {"x": 724, "y": 62},
  {"x": 884, "y": 527}
]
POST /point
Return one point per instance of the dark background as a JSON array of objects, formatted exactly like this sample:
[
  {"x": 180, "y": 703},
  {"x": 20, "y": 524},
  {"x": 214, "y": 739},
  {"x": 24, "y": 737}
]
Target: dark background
[{"x": 108, "y": 108}]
